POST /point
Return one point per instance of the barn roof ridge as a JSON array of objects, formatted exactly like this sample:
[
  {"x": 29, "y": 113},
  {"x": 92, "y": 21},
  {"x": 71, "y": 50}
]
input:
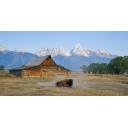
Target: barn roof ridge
[{"x": 37, "y": 61}]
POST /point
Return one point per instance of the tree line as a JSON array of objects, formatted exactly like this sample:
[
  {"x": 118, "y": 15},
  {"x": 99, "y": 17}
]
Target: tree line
[{"x": 118, "y": 65}]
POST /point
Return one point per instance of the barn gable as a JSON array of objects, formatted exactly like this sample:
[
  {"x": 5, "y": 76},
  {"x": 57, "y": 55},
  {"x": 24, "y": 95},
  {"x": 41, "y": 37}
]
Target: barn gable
[{"x": 48, "y": 62}]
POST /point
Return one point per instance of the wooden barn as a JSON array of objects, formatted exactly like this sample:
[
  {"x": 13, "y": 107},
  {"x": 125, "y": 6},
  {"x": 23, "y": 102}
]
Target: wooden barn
[{"x": 41, "y": 67}]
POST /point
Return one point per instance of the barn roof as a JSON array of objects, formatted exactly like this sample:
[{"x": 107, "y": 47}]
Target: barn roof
[
  {"x": 33, "y": 62},
  {"x": 36, "y": 62}
]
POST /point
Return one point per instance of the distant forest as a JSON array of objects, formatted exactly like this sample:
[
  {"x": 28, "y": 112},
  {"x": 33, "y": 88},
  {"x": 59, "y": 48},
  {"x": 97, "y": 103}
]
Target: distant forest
[{"x": 118, "y": 65}]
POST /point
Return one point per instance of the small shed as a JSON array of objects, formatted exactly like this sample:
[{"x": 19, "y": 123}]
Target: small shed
[{"x": 40, "y": 67}]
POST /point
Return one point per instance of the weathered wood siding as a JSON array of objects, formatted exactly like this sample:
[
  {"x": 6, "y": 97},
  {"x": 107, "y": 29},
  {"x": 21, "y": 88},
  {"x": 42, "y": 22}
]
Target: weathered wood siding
[{"x": 44, "y": 72}]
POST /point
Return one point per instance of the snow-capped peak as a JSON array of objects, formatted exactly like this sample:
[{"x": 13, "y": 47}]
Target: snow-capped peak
[
  {"x": 102, "y": 52},
  {"x": 52, "y": 52},
  {"x": 2, "y": 48},
  {"x": 78, "y": 46},
  {"x": 78, "y": 50}
]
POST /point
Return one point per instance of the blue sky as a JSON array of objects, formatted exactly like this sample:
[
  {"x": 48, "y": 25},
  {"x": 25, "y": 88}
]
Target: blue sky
[{"x": 115, "y": 42}]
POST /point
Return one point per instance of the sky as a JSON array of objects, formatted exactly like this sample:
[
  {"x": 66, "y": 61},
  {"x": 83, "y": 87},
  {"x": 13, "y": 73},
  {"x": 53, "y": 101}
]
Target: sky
[{"x": 115, "y": 42}]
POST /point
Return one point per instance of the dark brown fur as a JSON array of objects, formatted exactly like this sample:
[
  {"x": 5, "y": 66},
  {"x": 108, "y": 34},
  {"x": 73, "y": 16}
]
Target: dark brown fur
[{"x": 65, "y": 83}]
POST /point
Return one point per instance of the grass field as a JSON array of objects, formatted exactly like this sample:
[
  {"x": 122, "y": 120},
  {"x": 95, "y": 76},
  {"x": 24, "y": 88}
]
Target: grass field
[{"x": 84, "y": 85}]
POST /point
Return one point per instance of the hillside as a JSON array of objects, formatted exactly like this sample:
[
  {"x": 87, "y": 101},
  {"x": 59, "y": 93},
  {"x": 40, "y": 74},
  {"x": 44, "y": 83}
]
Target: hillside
[{"x": 12, "y": 59}]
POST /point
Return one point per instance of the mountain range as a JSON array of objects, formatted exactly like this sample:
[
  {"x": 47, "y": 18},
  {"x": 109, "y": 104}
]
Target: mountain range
[
  {"x": 72, "y": 59},
  {"x": 76, "y": 51}
]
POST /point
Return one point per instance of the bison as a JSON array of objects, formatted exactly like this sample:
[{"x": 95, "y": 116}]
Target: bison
[{"x": 65, "y": 83}]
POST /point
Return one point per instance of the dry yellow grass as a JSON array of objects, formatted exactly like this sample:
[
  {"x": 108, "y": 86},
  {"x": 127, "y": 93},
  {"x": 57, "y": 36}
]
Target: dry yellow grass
[
  {"x": 107, "y": 77},
  {"x": 84, "y": 85}
]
